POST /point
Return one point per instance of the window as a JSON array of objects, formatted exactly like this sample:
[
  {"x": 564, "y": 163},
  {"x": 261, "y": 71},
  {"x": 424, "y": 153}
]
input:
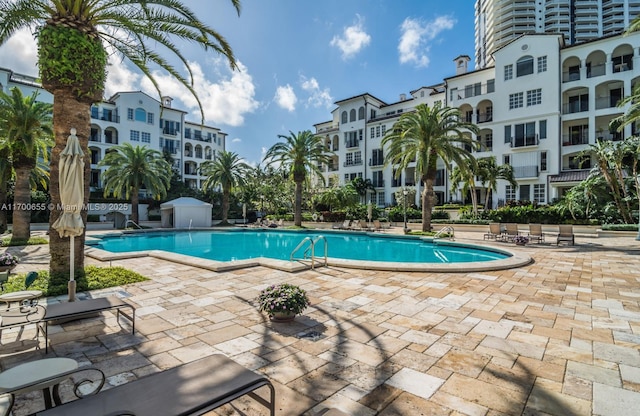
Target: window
[
  {"x": 352, "y": 115},
  {"x": 384, "y": 129},
  {"x": 134, "y": 136},
  {"x": 378, "y": 179},
  {"x": 346, "y": 177},
  {"x": 377, "y": 158},
  {"x": 149, "y": 118},
  {"x": 377, "y": 131},
  {"x": 373, "y": 113},
  {"x": 508, "y": 72},
  {"x": 129, "y": 113},
  {"x": 542, "y": 127},
  {"x": 146, "y": 137},
  {"x": 373, "y": 132},
  {"x": 381, "y": 198},
  {"x": 349, "y": 159},
  {"x": 141, "y": 115},
  {"x": 491, "y": 85},
  {"x": 187, "y": 133},
  {"x": 344, "y": 117},
  {"x": 361, "y": 113},
  {"x": 453, "y": 94},
  {"x": 525, "y": 135},
  {"x": 579, "y": 162},
  {"x": 94, "y": 111},
  {"x": 542, "y": 63},
  {"x": 543, "y": 161},
  {"x": 534, "y": 97},
  {"x": 357, "y": 158},
  {"x": 539, "y": 193},
  {"x": 524, "y": 66},
  {"x": 510, "y": 193},
  {"x": 515, "y": 100},
  {"x": 360, "y": 134},
  {"x": 507, "y": 134},
  {"x": 440, "y": 175}
]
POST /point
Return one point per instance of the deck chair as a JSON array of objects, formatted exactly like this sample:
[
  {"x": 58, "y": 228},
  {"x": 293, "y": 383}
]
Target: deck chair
[
  {"x": 20, "y": 317},
  {"x": 495, "y": 231},
  {"x": 377, "y": 225},
  {"x": 511, "y": 230},
  {"x": 565, "y": 233},
  {"x": 535, "y": 233},
  {"x": 4, "y": 278}
]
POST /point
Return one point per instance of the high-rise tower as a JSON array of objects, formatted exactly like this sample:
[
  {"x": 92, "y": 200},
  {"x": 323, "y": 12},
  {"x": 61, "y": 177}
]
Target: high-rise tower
[{"x": 498, "y": 22}]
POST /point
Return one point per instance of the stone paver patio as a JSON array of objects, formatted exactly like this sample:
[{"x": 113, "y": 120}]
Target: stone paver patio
[{"x": 557, "y": 337}]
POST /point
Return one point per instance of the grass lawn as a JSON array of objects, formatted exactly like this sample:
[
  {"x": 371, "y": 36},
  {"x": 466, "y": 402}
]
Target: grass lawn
[{"x": 94, "y": 278}]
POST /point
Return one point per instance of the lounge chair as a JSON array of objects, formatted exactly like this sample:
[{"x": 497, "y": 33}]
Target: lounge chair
[
  {"x": 194, "y": 388},
  {"x": 495, "y": 231},
  {"x": 377, "y": 225},
  {"x": 535, "y": 233},
  {"x": 565, "y": 233},
  {"x": 20, "y": 316},
  {"x": 511, "y": 231}
]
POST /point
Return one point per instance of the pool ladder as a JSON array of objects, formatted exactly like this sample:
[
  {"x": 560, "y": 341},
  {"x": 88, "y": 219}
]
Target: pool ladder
[
  {"x": 448, "y": 230},
  {"x": 310, "y": 249}
]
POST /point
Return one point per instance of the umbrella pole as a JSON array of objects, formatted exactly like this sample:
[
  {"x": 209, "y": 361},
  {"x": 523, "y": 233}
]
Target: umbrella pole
[{"x": 72, "y": 281}]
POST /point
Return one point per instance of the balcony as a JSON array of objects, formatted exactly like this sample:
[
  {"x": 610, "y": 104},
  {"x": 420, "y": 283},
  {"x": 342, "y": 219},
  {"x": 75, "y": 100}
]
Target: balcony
[
  {"x": 378, "y": 183},
  {"x": 485, "y": 117},
  {"x": 169, "y": 132},
  {"x": 352, "y": 144},
  {"x": 575, "y": 139},
  {"x": 575, "y": 107},
  {"x": 352, "y": 163},
  {"x": 376, "y": 162},
  {"x": 607, "y": 102},
  {"x": 596, "y": 70},
  {"x": 525, "y": 141},
  {"x": 569, "y": 76}
]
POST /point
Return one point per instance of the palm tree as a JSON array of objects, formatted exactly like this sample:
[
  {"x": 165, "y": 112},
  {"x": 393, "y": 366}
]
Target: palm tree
[
  {"x": 426, "y": 135},
  {"x": 362, "y": 186},
  {"x": 25, "y": 124},
  {"x": 462, "y": 174},
  {"x": 130, "y": 169},
  {"x": 227, "y": 171},
  {"x": 74, "y": 41},
  {"x": 6, "y": 173},
  {"x": 489, "y": 172},
  {"x": 299, "y": 154}
]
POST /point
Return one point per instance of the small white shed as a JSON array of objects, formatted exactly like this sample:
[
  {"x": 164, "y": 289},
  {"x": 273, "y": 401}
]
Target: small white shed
[{"x": 185, "y": 212}]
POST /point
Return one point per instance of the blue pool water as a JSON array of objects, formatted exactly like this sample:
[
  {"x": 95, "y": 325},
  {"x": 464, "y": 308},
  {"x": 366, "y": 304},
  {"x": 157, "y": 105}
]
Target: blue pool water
[{"x": 275, "y": 244}]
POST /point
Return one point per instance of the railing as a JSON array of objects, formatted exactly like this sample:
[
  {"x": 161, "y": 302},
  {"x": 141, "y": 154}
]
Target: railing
[
  {"x": 134, "y": 223},
  {"x": 309, "y": 252},
  {"x": 448, "y": 230}
]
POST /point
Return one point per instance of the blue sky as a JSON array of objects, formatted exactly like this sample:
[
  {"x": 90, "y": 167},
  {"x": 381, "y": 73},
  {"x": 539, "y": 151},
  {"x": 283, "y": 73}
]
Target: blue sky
[{"x": 297, "y": 58}]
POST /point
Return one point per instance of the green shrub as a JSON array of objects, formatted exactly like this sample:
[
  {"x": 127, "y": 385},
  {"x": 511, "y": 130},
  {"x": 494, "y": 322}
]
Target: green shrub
[
  {"x": 33, "y": 241},
  {"x": 620, "y": 227}
]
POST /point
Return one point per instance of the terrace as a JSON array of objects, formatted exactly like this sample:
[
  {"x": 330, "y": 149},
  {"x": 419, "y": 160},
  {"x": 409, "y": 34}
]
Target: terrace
[{"x": 556, "y": 337}]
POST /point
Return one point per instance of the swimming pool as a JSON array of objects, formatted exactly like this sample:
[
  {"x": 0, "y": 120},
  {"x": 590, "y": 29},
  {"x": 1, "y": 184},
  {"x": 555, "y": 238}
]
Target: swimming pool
[{"x": 344, "y": 248}]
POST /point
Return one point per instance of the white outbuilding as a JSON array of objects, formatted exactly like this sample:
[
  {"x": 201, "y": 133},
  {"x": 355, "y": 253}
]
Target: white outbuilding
[{"x": 185, "y": 212}]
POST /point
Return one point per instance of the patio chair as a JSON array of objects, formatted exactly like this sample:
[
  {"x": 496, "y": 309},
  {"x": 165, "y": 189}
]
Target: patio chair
[
  {"x": 511, "y": 230},
  {"x": 377, "y": 225},
  {"x": 535, "y": 233},
  {"x": 495, "y": 231},
  {"x": 565, "y": 233},
  {"x": 20, "y": 316}
]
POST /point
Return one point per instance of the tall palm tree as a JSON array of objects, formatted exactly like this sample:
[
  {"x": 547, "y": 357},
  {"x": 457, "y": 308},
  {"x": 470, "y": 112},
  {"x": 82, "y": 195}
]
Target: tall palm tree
[
  {"x": 426, "y": 135},
  {"x": 227, "y": 171},
  {"x": 131, "y": 169},
  {"x": 362, "y": 186},
  {"x": 299, "y": 154},
  {"x": 74, "y": 39},
  {"x": 25, "y": 124},
  {"x": 462, "y": 174},
  {"x": 489, "y": 172}
]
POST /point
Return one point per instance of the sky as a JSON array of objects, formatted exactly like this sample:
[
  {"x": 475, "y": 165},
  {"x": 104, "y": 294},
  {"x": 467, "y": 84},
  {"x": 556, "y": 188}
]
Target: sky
[{"x": 296, "y": 58}]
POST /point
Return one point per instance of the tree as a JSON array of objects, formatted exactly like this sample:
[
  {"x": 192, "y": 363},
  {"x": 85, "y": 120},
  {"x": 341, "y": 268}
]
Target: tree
[
  {"x": 298, "y": 154},
  {"x": 131, "y": 169},
  {"x": 426, "y": 135},
  {"x": 362, "y": 186},
  {"x": 25, "y": 126},
  {"x": 489, "y": 172},
  {"x": 227, "y": 171},
  {"x": 74, "y": 41},
  {"x": 6, "y": 173},
  {"x": 467, "y": 176}
]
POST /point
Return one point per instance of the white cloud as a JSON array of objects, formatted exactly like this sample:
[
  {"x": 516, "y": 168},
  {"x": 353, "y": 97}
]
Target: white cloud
[
  {"x": 286, "y": 97},
  {"x": 353, "y": 39},
  {"x": 236, "y": 140},
  {"x": 317, "y": 97},
  {"x": 120, "y": 78},
  {"x": 20, "y": 53},
  {"x": 226, "y": 101},
  {"x": 414, "y": 42}
]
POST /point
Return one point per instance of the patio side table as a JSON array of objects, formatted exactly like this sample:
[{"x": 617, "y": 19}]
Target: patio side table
[
  {"x": 20, "y": 296},
  {"x": 26, "y": 377}
]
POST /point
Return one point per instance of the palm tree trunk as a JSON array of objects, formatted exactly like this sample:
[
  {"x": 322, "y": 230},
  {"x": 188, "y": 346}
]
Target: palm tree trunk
[
  {"x": 297, "y": 212},
  {"x": 428, "y": 197},
  {"x": 22, "y": 204},
  {"x": 225, "y": 204},
  {"x": 3, "y": 206},
  {"x": 68, "y": 112},
  {"x": 135, "y": 202}
]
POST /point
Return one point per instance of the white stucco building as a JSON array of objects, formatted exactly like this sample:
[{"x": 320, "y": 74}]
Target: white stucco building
[
  {"x": 537, "y": 109},
  {"x": 139, "y": 119}
]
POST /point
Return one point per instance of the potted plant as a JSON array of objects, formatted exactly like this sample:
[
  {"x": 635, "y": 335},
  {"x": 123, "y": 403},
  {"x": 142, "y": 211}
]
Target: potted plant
[
  {"x": 521, "y": 240},
  {"x": 8, "y": 261},
  {"x": 283, "y": 302}
]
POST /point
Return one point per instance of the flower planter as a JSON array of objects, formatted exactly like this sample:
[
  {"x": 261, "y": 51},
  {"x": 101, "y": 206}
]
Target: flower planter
[{"x": 283, "y": 317}]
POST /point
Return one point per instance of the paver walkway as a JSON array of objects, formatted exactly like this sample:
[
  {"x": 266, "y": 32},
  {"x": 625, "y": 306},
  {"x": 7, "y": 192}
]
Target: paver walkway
[{"x": 558, "y": 337}]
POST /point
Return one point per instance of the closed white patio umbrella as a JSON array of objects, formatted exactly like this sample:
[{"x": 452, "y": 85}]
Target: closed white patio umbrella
[{"x": 70, "y": 224}]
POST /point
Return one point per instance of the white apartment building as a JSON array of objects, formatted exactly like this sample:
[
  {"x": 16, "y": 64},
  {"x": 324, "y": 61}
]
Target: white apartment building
[
  {"x": 135, "y": 117},
  {"x": 537, "y": 109},
  {"x": 498, "y": 22}
]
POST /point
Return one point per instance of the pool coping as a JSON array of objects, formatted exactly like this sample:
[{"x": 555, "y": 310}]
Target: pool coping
[{"x": 514, "y": 260}]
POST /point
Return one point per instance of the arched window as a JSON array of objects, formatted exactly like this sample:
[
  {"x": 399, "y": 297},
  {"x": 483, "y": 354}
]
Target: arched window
[
  {"x": 524, "y": 66},
  {"x": 352, "y": 115},
  {"x": 344, "y": 117},
  {"x": 361, "y": 113},
  {"x": 140, "y": 115}
]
